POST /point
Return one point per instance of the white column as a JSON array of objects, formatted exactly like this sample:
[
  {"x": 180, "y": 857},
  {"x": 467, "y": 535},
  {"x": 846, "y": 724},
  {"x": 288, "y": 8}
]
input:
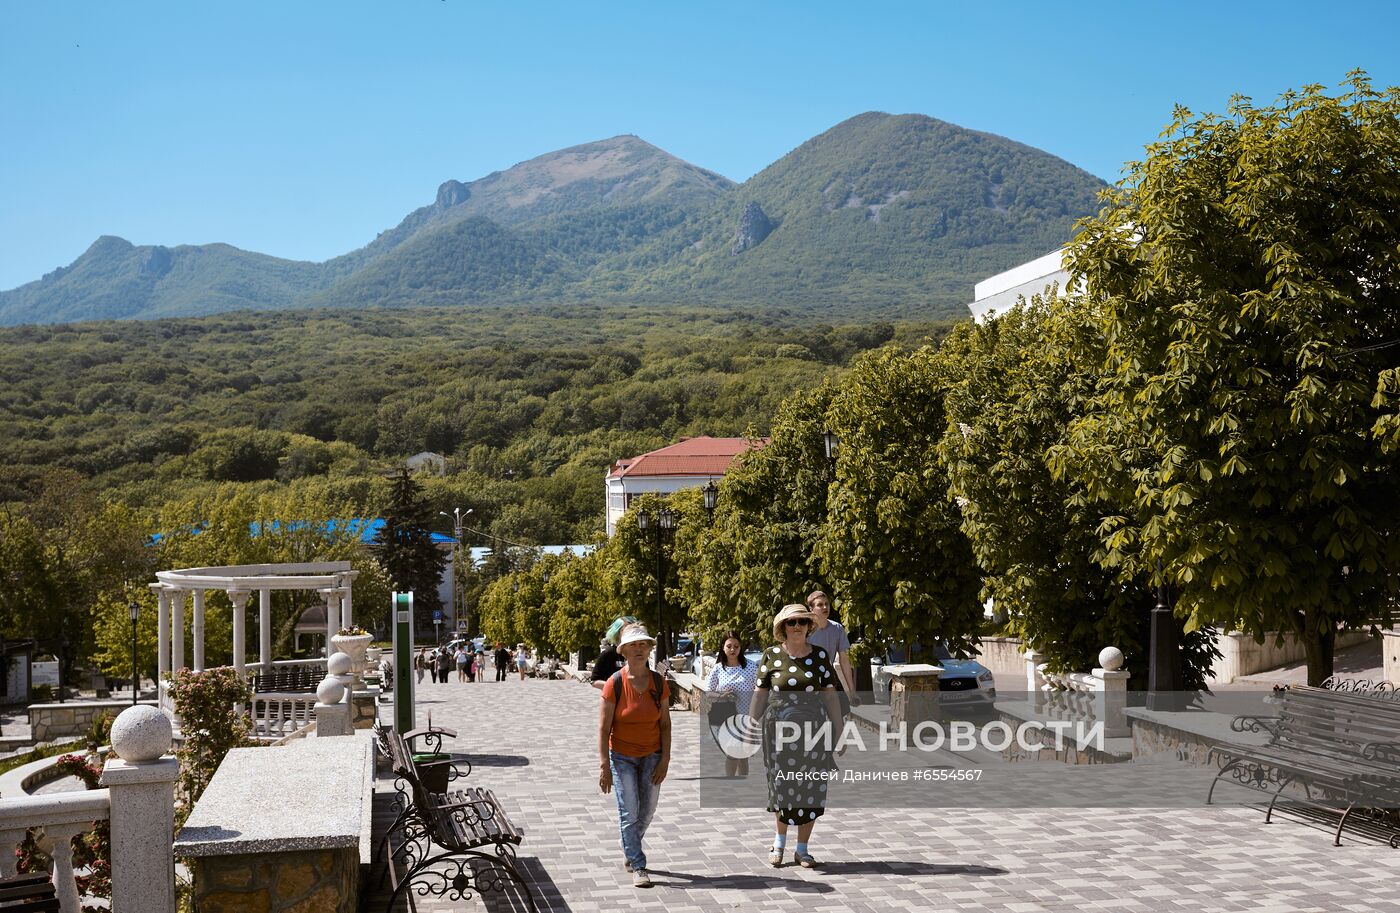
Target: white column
[
  {"x": 347, "y": 614},
  {"x": 197, "y": 632},
  {"x": 265, "y": 629},
  {"x": 141, "y": 783},
  {"x": 177, "y": 629},
  {"x": 332, "y": 595},
  {"x": 162, "y": 634},
  {"x": 239, "y": 598}
]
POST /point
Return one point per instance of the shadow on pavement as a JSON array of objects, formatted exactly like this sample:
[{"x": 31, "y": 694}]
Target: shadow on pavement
[
  {"x": 493, "y": 760},
  {"x": 880, "y": 867},
  {"x": 664, "y": 878}
]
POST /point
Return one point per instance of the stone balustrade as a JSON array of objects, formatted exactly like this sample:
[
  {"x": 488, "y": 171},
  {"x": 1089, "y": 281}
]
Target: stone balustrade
[
  {"x": 138, "y": 799},
  {"x": 1100, "y": 695}
]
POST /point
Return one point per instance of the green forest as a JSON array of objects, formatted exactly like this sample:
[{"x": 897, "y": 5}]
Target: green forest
[{"x": 529, "y": 406}]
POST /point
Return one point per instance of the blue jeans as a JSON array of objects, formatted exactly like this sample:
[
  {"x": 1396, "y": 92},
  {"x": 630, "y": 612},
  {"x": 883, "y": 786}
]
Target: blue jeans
[{"x": 636, "y": 801}]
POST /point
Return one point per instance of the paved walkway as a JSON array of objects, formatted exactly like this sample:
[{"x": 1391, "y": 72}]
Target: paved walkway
[{"x": 533, "y": 742}]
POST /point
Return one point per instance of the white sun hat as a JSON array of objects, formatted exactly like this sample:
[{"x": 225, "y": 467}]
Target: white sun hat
[{"x": 633, "y": 634}]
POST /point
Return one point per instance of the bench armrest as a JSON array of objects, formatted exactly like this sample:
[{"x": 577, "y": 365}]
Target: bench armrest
[
  {"x": 1384, "y": 752},
  {"x": 1267, "y": 724},
  {"x": 428, "y": 730}
]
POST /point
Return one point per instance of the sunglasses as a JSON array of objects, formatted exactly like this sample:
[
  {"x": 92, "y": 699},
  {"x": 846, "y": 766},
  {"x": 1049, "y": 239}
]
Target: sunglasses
[{"x": 796, "y": 621}]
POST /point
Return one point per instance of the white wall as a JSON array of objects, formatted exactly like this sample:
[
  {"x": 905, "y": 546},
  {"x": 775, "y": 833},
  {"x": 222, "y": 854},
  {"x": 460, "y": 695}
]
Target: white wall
[
  {"x": 621, "y": 490},
  {"x": 999, "y": 293}
]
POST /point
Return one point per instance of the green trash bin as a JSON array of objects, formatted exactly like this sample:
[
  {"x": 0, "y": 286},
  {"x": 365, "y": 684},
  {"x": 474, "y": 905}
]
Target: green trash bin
[{"x": 433, "y": 770}]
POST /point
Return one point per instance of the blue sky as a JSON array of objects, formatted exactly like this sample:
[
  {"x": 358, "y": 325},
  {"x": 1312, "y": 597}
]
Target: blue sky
[{"x": 303, "y": 129}]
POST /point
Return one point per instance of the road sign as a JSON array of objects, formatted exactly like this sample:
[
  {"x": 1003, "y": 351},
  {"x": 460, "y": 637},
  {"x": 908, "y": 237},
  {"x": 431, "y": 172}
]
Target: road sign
[{"x": 437, "y": 616}]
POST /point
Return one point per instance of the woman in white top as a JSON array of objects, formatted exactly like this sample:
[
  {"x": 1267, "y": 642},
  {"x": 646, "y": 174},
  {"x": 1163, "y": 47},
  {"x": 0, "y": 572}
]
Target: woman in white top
[
  {"x": 731, "y": 682},
  {"x": 522, "y": 660}
]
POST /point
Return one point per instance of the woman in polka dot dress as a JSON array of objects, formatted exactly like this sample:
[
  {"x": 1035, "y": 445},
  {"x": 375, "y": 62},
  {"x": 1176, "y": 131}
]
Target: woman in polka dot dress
[{"x": 795, "y": 684}]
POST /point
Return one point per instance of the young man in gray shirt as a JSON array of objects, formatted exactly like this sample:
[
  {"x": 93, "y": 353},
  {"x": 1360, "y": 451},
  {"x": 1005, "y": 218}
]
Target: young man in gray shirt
[{"x": 831, "y": 637}]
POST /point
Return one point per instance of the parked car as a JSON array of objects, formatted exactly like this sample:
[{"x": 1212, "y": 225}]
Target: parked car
[{"x": 964, "y": 681}]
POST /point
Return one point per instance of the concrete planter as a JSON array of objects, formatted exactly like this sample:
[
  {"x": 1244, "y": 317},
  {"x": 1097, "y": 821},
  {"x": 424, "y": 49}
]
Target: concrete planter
[{"x": 355, "y": 646}]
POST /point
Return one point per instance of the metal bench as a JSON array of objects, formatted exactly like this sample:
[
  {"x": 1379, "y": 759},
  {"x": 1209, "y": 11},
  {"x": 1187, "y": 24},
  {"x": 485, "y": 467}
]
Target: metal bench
[
  {"x": 292, "y": 680},
  {"x": 442, "y": 836},
  {"x": 1343, "y": 745},
  {"x": 28, "y": 894}
]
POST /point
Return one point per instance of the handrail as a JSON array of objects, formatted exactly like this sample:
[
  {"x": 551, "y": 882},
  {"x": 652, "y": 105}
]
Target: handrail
[{"x": 61, "y": 816}]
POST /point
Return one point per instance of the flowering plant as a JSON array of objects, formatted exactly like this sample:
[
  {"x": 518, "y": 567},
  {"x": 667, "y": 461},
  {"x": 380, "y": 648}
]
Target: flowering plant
[{"x": 352, "y": 631}]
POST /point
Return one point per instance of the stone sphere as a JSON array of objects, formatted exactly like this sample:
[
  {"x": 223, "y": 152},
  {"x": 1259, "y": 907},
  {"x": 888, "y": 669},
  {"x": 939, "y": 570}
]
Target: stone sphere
[
  {"x": 1110, "y": 659},
  {"x": 339, "y": 664},
  {"x": 330, "y": 691},
  {"x": 141, "y": 733}
]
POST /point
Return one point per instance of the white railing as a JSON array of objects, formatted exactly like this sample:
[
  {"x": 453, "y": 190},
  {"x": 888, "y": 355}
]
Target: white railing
[
  {"x": 277, "y": 715},
  {"x": 59, "y": 818},
  {"x": 1100, "y": 695}
]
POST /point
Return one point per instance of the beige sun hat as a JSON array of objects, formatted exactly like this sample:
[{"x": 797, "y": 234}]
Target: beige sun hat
[
  {"x": 792, "y": 610},
  {"x": 633, "y": 634}
]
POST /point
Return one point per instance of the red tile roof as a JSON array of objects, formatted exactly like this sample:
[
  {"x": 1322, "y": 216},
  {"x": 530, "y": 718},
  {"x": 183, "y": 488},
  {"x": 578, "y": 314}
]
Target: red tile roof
[{"x": 697, "y": 456}]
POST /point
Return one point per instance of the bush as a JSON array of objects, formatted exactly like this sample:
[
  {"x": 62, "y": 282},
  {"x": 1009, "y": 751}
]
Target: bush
[{"x": 204, "y": 702}]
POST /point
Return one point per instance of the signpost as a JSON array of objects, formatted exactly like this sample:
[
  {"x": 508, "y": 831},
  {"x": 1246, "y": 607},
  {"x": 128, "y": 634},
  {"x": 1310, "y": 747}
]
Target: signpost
[
  {"x": 402, "y": 619},
  {"x": 437, "y": 626}
]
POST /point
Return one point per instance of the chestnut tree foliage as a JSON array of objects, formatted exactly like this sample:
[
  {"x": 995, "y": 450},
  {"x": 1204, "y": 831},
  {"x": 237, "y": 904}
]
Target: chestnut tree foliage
[{"x": 1243, "y": 281}]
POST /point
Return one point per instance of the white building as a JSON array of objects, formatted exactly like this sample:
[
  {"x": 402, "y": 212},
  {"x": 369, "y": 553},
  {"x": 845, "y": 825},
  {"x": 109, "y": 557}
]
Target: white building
[
  {"x": 427, "y": 461},
  {"x": 999, "y": 293},
  {"x": 689, "y": 463}
]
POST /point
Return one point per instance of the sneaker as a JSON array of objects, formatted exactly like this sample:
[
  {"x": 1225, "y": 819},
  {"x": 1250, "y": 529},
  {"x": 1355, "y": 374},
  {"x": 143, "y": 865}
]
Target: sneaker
[
  {"x": 640, "y": 879},
  {"x": 804, "y": 859},
  {"x": 775, "y": 857}
]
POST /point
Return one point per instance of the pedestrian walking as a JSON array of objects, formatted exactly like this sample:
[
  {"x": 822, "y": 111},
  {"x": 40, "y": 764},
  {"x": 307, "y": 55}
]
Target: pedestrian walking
[
  {"x": 461, "y": 659},
  {"x": 444, "y": 663},
  {"x": 796, "y": 685},
  {"x": 730, "y": 692},
  {"x": 420, "y": 664},
  {"x": 502, "y": 661},
  {"x": 831, "y": 636},
  {"x": 609, "y": 660},
  {"x": 634, "y": 745},
  {"x": 522, "y": 660}
]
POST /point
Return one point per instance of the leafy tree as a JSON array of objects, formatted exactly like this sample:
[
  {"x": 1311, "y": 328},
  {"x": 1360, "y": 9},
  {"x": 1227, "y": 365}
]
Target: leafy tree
[
  {"x": 757, "y": 555},
  {"x": 1036, "y": 542},
  {"x": 1242, "y": 279},
  {"x": 404, "y": 546},
  {"x": 892, "y": 544}
]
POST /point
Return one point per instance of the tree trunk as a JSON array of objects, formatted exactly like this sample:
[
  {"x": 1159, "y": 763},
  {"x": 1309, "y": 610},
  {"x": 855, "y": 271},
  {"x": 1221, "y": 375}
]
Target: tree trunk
[{"x": 1319, "y": 651}]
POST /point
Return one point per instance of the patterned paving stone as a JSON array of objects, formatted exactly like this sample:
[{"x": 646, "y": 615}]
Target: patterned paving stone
[{"x": 533, "y": 742}]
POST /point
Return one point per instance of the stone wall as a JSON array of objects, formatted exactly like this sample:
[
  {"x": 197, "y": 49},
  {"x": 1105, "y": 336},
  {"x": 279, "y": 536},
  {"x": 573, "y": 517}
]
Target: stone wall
[
  {"x": 72, "y": 718},
  {"x": 1002, "y": 654},
  {"x": 314, "y": 881},
  {"x": 364, "y": 709},
  {"x": 1242, "y": 656}
]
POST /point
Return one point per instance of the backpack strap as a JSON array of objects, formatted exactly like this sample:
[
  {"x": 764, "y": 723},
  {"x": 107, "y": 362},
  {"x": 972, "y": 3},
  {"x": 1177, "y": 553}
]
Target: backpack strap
[{"x": 656, "y": 684}]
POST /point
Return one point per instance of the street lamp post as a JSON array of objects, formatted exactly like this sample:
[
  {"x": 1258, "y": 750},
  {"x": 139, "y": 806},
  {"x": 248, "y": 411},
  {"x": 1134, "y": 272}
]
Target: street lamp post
[
  {"x": 666, "y": 520},
  {"x": 831, "y": 443},
  {"x": 711, "y": 493},
  {"x": 1163, "y": 681},
  {"x": 135, "y": 610},
  {"x": 458, "y": 602}
]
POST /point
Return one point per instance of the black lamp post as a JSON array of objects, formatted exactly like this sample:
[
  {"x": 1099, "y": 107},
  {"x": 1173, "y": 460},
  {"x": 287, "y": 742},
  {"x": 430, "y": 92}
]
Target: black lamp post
[
  {"x": 1163, "y": 678},
  {"x": 711, "y": 493},
  {"x": 832, "y": 444},
  {"x": 135, "y": 610},
  {"x": 665, "y": 525}
]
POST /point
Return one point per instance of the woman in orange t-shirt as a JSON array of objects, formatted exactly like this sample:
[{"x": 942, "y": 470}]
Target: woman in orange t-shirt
[{"x": 634, "y": 745}]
